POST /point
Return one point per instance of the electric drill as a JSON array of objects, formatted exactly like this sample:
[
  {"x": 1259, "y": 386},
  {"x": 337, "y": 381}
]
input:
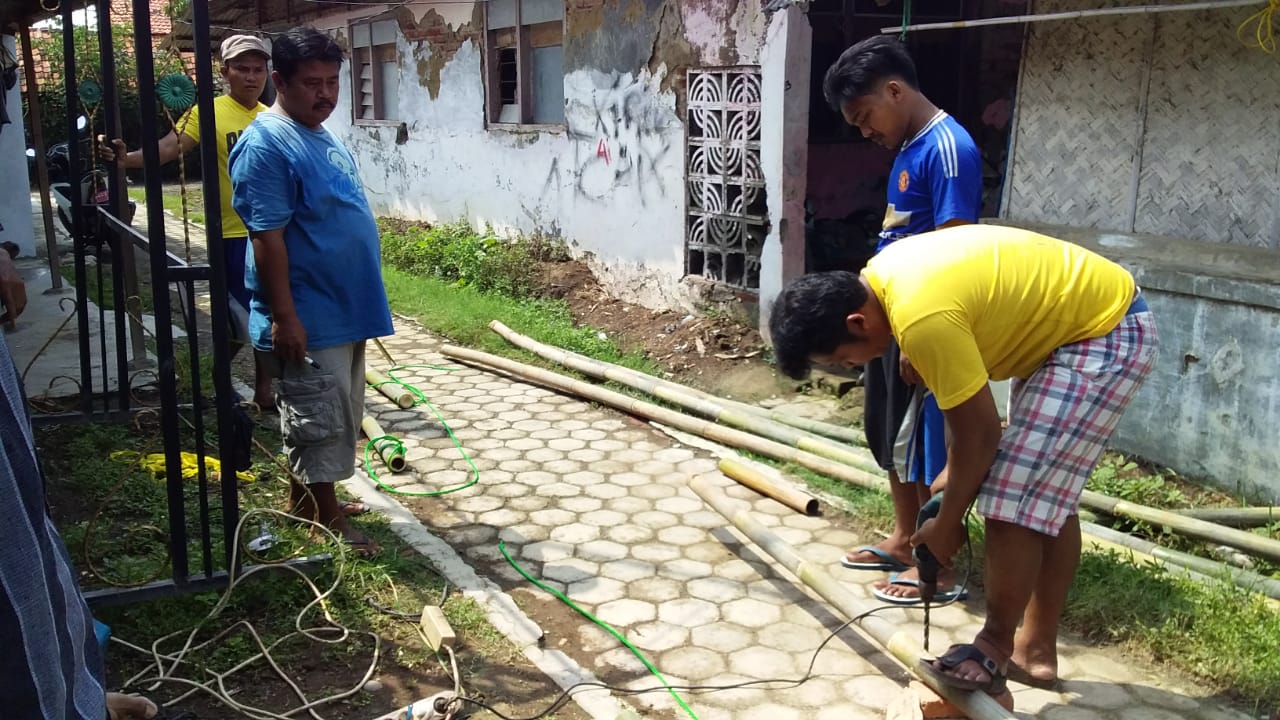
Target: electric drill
[{"x": 926, "y": 564}]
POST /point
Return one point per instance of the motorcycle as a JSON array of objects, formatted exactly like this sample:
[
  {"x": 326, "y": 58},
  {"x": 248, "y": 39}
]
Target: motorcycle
[{"x": 92, "y": 186}]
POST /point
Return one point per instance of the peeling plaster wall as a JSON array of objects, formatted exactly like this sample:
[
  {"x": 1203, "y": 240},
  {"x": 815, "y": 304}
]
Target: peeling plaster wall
[{"x": 610, "y": 182}]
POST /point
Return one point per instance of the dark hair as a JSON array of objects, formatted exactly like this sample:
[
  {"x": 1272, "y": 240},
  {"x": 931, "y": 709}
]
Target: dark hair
[
  {"x": 862, "y": 68},
  {"x": 294, "y": 47},
  {"x": 808, "y": 318}
]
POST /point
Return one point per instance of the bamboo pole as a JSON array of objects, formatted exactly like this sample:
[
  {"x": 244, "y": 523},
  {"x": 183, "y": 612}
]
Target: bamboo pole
[
  {"x": 885, "y": 634},
  {"x": 388, "y": 388},
  {"x": 387, "y": 447},
  {"x": 1191, "y": 527},
  {"x": 706, "y": 406},
  {"x": 1239, "y": 517},
  {"x": 752, "y": 476},
  {"x": 1201, "y": 569},
  {"x": 816, "y": 428},
  {"x": 729, "y": 436}
]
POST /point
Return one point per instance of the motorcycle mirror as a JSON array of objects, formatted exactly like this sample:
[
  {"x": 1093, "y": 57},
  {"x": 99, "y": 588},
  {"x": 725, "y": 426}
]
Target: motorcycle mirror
[{"x": 81, "y": 122}]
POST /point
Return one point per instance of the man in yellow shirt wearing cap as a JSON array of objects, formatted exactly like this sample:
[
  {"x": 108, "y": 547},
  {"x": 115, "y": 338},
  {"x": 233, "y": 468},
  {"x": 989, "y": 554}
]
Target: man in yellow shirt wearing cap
[
  {"x": 968, "y": 305},
  {"x": 244, "y": 68}
]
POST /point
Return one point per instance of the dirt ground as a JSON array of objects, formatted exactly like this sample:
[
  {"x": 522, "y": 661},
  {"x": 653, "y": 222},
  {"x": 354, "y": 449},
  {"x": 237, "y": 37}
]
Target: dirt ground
[{"x": 715, "y": 353}]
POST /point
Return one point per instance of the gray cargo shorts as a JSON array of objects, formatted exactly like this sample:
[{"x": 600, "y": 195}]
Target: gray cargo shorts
[{"x": 320, "y": 410}]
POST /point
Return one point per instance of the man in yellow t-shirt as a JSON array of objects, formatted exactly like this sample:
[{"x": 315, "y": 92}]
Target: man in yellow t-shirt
[
  {"x": 968, "y": 305},
  {"x": 244, "y": 68}
]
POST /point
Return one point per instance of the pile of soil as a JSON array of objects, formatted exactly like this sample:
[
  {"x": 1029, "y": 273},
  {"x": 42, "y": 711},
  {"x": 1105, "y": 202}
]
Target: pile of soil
[{"x": 709, "y": 351}]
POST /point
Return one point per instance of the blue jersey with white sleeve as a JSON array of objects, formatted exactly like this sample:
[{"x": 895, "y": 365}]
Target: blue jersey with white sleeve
[{"x": 936, "y": 178}]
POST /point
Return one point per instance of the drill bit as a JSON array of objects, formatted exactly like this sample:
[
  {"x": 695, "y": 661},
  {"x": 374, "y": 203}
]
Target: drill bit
[{"x": 927, "y": 564}]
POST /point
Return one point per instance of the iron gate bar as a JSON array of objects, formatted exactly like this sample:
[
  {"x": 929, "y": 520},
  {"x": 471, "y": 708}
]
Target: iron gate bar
[
  {"x": 77, "y": 221},
  {"x": 165, "y": 372},
  {"x": 109, "y": 597},
  {"x": 215, "y": 252},
  {"x": 120, "y": 261}
]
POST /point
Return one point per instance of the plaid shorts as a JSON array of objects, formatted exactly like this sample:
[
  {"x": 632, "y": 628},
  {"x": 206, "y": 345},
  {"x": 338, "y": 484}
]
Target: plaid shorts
[{"x": 1060, "y": 419}]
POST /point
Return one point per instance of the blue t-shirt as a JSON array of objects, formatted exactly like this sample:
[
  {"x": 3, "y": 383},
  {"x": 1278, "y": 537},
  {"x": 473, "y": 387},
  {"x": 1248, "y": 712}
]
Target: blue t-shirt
[
  {"x": 286, "y": 175},
  {"x": 936, "y": 178}
]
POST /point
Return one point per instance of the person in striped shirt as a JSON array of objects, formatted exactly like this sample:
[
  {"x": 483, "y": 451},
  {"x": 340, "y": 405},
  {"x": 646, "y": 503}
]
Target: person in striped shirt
[{"x": 52, "y": 666}]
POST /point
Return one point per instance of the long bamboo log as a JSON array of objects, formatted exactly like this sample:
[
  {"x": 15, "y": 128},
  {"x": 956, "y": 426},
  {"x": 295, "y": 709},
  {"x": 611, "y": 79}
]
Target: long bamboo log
[
  {"x": 389, "y": 449},
  {"x": 753, "y": 477},
  {"x": 730, "y": 436},
  {"x": 1203, "y": 567},
  {"x": 1238, "y": 517},
  {"x": 706, "y": 406},
  {"x": 1191, "y": 527},
  {"x": 390, "y": 389},
  {"x": 815, "y": 428},
  {"x": 885, "y": 634}
]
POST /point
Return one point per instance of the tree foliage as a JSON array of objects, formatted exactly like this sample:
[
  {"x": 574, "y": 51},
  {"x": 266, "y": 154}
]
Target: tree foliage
[{"x": 53, "y": 95}]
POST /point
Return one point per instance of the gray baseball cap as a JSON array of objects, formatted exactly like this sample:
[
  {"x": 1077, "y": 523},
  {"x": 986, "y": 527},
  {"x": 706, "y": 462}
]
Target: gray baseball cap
[{"x": 237, "y": 45}]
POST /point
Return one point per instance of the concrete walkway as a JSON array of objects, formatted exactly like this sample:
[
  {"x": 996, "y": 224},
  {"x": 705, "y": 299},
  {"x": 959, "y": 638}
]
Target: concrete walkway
[{"x": 595, "y": 503}]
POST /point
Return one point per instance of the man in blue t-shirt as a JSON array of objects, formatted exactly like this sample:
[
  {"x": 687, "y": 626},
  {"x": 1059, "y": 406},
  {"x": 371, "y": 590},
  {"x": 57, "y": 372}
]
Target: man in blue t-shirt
[
  {"x": 314, "y": 272},
  {"x": 936, "y": 182}
]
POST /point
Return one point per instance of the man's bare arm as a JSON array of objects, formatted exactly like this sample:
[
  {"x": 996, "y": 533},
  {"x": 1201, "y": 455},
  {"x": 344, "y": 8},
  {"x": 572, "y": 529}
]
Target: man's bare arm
[
  {"x": 975, "y": 437},
  {"x": 170, "y": 146},
  {"x": 271, "y": 256}
]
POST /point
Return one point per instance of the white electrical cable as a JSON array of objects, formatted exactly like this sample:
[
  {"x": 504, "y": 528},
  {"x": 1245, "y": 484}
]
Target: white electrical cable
[{"x": 158, "y": 674}]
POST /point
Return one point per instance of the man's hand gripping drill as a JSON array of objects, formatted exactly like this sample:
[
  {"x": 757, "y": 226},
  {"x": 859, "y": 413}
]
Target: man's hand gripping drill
[{"x": 926, "y": 564}]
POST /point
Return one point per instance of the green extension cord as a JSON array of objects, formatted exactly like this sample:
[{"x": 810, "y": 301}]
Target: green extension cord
[
  {"x": 502, "y": 547},
  {"x": 419, "y": 398}
]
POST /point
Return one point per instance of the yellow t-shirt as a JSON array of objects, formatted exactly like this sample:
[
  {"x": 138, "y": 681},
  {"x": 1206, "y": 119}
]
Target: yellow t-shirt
[
  {"x": 979, "y": 302},
  {"x": 230, "y": 118}
]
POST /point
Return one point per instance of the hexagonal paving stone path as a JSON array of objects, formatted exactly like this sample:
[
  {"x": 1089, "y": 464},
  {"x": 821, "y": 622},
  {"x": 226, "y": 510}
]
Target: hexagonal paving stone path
[{"x": 594, "y": 503}]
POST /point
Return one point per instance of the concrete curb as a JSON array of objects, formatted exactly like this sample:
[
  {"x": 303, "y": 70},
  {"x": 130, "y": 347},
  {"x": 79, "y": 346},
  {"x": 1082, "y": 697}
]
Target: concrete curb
[{"x": 500, "y": 609}]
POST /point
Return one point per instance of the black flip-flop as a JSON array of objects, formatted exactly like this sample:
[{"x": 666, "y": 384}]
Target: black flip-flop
[
  {"x": 955, "y": 655},
  {"x": 1017, "y": 674}
]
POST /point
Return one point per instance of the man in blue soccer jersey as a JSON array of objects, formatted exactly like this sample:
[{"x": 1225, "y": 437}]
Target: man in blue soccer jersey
[{"x": 936, "y": 182}]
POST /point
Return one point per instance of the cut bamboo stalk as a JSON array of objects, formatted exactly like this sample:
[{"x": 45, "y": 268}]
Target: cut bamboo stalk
[
  {"x": 387, "y": 447},
  {"x": 1241, "y": 517},
  {"x": 1191, "y": 527},
  {"x": 707, "y": 406},
  {"x": 754, "y": 478},
  {"x": 390, "y": 389},
  {"x": 883, "y": 633},
  {"x": 729, "y": 436},
  {"x": 816, "y": 428},
  {"x": 1204, "y": 568}
]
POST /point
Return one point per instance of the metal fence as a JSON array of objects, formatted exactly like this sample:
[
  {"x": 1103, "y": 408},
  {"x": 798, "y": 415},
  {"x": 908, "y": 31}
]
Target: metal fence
[{"x": 99, "y": 215}]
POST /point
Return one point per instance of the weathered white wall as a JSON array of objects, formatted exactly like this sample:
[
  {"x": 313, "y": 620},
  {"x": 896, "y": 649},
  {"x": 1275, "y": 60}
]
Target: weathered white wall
[
  {"x": 784, "y": 148},
  {"x": 611, "y": 183},
  {"x": 15, "y": 193}
]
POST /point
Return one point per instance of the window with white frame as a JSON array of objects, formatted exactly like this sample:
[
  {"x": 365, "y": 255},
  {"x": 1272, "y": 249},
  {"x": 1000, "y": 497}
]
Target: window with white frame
[
  {"x": 375, "y": 72},
  {"x": 524, "y": 81}
]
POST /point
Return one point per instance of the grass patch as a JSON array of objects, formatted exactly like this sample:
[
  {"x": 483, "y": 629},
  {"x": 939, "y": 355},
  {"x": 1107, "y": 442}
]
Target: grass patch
[
  {"x": 462, "y": 314},
  {"x": 171, "y": 199},
  {"x": 124, "y": 508},
  {"x": 455, "y": 281}
]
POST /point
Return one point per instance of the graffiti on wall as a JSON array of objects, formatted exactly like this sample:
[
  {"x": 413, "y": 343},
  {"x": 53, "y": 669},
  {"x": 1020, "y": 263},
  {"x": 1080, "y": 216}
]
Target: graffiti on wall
[{"x": 621, "y": 133}]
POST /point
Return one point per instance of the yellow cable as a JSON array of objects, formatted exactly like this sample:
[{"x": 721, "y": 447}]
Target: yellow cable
[
  {"x": 155, "y": 464},
  {"x": 1263, "y": 32}
]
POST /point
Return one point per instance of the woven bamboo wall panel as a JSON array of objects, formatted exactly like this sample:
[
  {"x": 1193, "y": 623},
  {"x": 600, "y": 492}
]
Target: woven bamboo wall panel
[
  {"x": 1078, "y": 121},
  {"x": 1212, "y": 139}
]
